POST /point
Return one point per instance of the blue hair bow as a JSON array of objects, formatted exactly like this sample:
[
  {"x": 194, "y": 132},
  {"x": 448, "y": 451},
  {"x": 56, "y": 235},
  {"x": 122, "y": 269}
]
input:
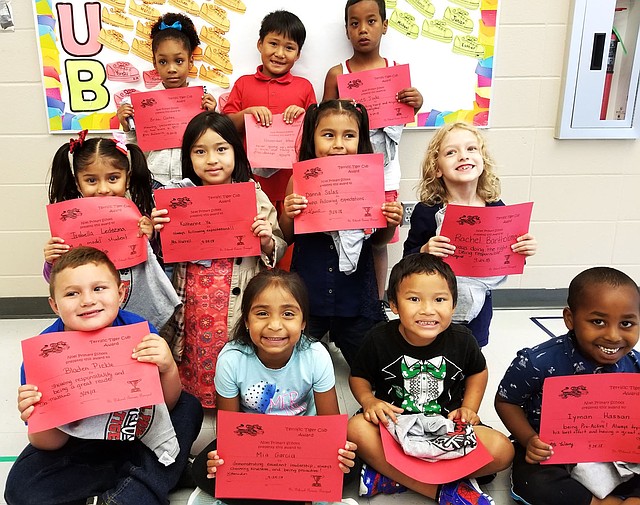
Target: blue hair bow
[{"x": 176, "y": 26}]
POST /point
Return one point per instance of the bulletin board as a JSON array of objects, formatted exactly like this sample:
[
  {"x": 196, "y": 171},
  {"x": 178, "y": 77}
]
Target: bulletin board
[{"x": 93, "y": 53}]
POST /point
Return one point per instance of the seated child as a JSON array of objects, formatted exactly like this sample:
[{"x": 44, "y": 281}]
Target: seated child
[
  {"x": 603, "y": 317},
  {"x": 58, "y": 467},
  {"x": 422, "y": 292}
]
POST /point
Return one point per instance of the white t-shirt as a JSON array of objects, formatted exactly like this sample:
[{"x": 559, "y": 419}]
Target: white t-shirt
[{"x": 286, "y": 391}]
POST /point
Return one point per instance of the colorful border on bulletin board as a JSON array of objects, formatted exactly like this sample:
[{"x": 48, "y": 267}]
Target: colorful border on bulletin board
[{"x": 479, "y": 114}]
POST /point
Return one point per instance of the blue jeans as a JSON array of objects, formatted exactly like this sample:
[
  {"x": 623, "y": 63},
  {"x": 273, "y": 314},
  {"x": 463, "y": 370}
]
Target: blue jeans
[{"x": 123, "y": 473}]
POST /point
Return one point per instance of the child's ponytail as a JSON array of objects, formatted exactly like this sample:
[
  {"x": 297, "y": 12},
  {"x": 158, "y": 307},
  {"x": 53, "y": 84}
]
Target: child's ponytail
[
  {"x": 62, "y": 185},
  {"x": 140, "y": 180},
  {"x": 307, "y": 143}
]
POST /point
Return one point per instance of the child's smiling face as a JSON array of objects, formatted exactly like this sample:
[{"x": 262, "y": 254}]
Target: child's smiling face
[
  {"x": 87, "y": 297},
  {"x": 606, "y": 322},
  {"x": 425, "y": 307},
  {"x": 336, "y": 134},
  {"x": 460, "y": 158},
  {"x": 275, "y": 324}
]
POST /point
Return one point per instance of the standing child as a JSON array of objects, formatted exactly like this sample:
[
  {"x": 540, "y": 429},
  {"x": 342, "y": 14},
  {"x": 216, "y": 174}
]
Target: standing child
[
  {"x": 450, "y": 378},
  {"x": 366, "y": 23},
  {"x": 458, "y": 169},
  {"x": 603, "y": 319},
  {"x": 271, "y": 367},
  {"x": 76, "y": 462},
  {"x": 109, "y": 167},
  {"x": 212, "y": 291},
  {"x": 273, "y": 89},
  {"x": 337, "y": 268},
  {"x": 173, "y": 41}
]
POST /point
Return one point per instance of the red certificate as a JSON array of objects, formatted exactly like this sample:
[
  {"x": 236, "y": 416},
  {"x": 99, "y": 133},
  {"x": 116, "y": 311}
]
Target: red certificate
[
  {"x": 483, "y": 237},
  {"x": 82, "y": 374},
  {"x": 283, "y": 457},
  {"x": 343, "y": 193},
  {"x": 376, "y": 90},
  {"x": 433, "y": 472},
  {"x": 275, "y": 146},
  {"x": 209, "y": 222},
  {"x": 591, "y": 418},
  {"x": 108, "y": 223},
  {"x": 162, "y": 116}
]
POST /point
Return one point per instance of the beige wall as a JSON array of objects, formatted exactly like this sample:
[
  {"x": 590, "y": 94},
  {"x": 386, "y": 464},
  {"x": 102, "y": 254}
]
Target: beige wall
[{"x": 586, "y": 211}]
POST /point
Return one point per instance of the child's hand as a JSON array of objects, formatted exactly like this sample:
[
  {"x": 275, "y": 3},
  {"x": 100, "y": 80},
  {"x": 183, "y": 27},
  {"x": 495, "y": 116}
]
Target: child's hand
[
  {"x": 465, "y": 414},
  {"x": 208, "y": 102},
  {"x": 439, "y": 246},
  {"x": 125, "y": 111},
  {"x": 347, "y": 456},
  {"x": 537, "y": 451},
  {"x": 392, "y": 211},
  {"x": 291, "y": 113},
  {"x": 154, "y": 349},
  {"x": 376, "y": 411},
  {"x": 145, "y": 227},
  {"x": 294, "y": 205},
  {"x": 261, "y": 227},
  {"x": 526, "y": 245},
  {"x": 28, "y": 396},
  {"x": 213, "y": 462},
  {"x": 261, "y": 114},
  {"x": 410, "y": 96},
  {"x": 54, "y": 248},
  {"x": 159, "y": 218}
]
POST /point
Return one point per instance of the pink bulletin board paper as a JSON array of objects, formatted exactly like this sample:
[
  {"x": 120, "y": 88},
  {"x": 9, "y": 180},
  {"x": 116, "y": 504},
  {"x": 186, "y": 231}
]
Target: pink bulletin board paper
[
  {"x": 209, "y": 222},
  {"x": 483, "y": 237},
  {"x": 82, "y": 374},
  {"x": 376, "y": 89},
  {"x": 108, "y": 223},
  {"x": 430, "y": 472},
  {"x": 275, "y": 146},
  {"x": 162, "y": 116},
  {"x": 283, "y": 457},
  {"x": 343, "y": 193},
  {"x": 591, "y": 418}
]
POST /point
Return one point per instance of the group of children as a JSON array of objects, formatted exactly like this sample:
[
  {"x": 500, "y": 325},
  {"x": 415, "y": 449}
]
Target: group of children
[{"x": 238, "y": 334}]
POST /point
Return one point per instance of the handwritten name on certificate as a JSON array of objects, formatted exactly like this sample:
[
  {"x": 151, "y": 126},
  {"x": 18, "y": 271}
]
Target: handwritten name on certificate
[
  {"x": 483, "y": 237},
  {"x": 209, "y": 222},
  {"x": 591, "y": 418},
  {"x": 162, "y": 116},
  {"x": 283, "y": 457},
  {"x": 82, "y": 374},
  {"x": 376, "y": 89},
  {"x": 108, "y": 223},
  {"x": 343, "y": 193},
  {"x": 274, "y": 146}
]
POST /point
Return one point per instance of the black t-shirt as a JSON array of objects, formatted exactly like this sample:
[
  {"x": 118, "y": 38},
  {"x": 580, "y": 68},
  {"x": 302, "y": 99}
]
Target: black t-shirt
[{"x": 428, "y": 379}]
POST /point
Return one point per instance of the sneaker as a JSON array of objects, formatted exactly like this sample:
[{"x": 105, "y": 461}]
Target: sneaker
[
  {"x": 218, "y": 59},
  {"x": 151, "y": 78},
  {"x": 463, "y": 492},
  {"x": 95, "y": 500},
  {"x": 214, "y": 75},
  {"x": 467, "y": 45},
  {"x": 216, "y": 16},
  {"x": 214, "y": 37},
  {"x": 122, "y": 71},
  {"x": 144, "y": 29},
  {"x": 118, "y": 4},
  {"x": 424, "y": 7},
  {"x": 437, "y": 29},
  {"x": 373, "y": 483},
  {"x": 469, "y": 4},
  {"x": 143, "y": 11},
  {"x": 188, "y": 6},
  {"x": 517, "y": 498},
  {"x": 405, "y": 23},
  {"x": 234, "y": 5},
  {"x": 459, "y": 19},
  {"x": 142, "y": 49},
  {"x": 113, "y": 40},
  {"x": 116, "y": 18}
]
